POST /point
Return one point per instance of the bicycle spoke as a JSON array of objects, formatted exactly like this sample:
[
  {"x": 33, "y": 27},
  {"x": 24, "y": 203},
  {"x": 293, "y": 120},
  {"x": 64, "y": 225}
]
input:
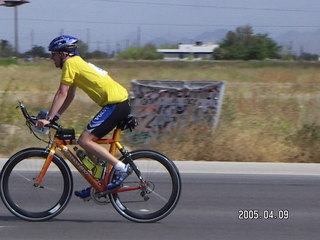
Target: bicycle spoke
[
  {"x": 159, "y": 196},
  {"x": 22, "y": 176},
  {"x": 159, "y": 192}
]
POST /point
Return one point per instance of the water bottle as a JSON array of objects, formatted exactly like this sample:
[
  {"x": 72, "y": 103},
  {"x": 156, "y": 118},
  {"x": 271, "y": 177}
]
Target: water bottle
[
  {"x": 44, "y": 130},
  {"x": 99, "y": 169},
  {"x": 84, "y": 158}
]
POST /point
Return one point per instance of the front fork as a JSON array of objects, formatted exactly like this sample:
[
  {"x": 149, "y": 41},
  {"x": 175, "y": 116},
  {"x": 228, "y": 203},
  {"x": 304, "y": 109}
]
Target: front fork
[{"x": 45, "y": 167}]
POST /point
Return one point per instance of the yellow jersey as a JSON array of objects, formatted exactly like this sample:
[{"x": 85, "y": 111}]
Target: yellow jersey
[{"x": 94, "y": 81}]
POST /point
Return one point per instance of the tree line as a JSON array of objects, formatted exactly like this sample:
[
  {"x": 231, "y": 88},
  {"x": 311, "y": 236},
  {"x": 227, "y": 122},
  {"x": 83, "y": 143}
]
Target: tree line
[{"x": 240, "y": 44}]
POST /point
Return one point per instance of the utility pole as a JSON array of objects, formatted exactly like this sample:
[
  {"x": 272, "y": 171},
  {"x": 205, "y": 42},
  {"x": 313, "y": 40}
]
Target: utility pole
[
  {"x": 98, "y": 45},
  {"x": 108, "y": 47},
  {"x": 32, "y": 38},
  {"x": 88, "y": 38},
  {"x": 16, "y": 37},
  {"x": 14, "y": 4},
  {"x": 139, "y": 37}
]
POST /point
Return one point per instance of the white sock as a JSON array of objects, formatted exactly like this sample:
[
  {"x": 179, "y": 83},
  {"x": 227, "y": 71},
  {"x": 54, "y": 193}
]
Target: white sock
[{"x": 120, "y": 166}]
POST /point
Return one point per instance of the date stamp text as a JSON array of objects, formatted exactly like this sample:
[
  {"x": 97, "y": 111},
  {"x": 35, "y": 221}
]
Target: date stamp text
[{"x": 255, "y": 214}]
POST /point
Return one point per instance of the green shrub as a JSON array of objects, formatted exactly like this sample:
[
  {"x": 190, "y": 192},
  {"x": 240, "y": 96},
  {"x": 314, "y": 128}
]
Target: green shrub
[
  {"x": 148, "y": 52},
  {"x": 306, "y": 137},
  {"x": 7, "y": 61}
]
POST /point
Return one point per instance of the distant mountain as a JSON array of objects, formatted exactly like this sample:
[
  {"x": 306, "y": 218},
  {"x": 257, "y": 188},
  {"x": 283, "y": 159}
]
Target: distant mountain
[
  {"x": 213, "y": 37},
  {"x": 307, "y": 41},
  {"x": 158, "y": 41}
]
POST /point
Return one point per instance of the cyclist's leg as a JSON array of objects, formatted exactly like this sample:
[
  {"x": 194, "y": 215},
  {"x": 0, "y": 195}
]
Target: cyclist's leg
[
  {"x": 107, "y": 119},
  {"x": 87, "y": 142}
]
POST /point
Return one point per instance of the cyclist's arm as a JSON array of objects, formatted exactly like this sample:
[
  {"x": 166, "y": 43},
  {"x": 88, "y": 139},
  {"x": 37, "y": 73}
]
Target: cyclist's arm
[
  {"x": 62, "y": 99},
  {"x": 68, "y": 100}
]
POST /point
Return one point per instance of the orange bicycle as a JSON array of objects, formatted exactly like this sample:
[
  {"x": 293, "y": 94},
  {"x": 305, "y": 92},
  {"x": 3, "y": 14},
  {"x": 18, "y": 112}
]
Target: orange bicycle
[{"x": 36, "y": 184}]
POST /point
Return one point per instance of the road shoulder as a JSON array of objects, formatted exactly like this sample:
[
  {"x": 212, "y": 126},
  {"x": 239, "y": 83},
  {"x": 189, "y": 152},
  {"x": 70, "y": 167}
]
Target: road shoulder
[
  {"x": 241, "y": 167},
  {"x": 248, "y": 168}
]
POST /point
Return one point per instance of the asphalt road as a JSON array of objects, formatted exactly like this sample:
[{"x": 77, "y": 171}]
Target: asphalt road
[{"x": 210, "y": 207}]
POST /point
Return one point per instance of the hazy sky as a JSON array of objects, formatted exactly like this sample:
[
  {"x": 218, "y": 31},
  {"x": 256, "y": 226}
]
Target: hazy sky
[{"x": 104, "y": 23}]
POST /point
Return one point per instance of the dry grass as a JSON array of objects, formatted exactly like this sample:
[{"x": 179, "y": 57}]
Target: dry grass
[
  {"x": 226, "y": 145},
  {"x": 270, "y": 110}
]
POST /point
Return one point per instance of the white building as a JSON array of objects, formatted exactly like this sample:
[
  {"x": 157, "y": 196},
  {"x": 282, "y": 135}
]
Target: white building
[{"x": 195, "y": 51}]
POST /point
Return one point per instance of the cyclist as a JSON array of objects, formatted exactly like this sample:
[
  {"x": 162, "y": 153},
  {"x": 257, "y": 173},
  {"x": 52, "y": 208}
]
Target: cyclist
[{"x": 102, "y": 89}]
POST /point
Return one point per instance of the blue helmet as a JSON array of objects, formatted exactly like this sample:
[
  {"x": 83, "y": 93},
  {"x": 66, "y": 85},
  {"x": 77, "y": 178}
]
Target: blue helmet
[{"x": 64, "y": 43}]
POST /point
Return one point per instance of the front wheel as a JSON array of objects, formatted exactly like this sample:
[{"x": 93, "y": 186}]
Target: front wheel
[
  {"x": 155, "y": 195},
  {"x": 30, "y": 201}
]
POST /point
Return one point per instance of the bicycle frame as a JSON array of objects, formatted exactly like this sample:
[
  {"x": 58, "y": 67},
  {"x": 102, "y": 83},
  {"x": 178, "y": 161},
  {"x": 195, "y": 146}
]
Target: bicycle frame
[{"x": 99, "y": 186}]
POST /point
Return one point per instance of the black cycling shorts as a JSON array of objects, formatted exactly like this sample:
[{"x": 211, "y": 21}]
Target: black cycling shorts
[{"x": 108, "y": 118}]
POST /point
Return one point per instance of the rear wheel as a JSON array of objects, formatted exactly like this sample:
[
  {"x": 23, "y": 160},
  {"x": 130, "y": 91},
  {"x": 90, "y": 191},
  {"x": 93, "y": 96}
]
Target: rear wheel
[
  {"x": 23, "y": 197},
  {"x": 158, "y": 193}
]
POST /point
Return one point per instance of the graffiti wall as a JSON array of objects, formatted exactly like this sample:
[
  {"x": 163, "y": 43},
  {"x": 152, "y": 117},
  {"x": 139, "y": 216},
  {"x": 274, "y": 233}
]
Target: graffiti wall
[{"x": 161, "y": 105}]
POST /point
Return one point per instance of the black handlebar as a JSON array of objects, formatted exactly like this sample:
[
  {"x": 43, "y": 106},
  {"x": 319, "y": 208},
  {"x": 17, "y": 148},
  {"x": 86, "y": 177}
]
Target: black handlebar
[
  {"x": 25, "y": 113},
  {"x": 33, "y": 119}
]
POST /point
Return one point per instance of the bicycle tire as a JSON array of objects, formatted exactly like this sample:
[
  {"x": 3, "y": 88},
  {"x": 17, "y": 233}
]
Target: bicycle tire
[
  {"x": 161, "y": 196},
  {"x": 30, "y": 202}
]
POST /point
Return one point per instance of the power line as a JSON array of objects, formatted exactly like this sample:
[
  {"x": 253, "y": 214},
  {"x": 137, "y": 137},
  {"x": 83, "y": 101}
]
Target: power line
[
  {"x": 211, "y": 6},
  {"x": 164, "y": 24}
]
